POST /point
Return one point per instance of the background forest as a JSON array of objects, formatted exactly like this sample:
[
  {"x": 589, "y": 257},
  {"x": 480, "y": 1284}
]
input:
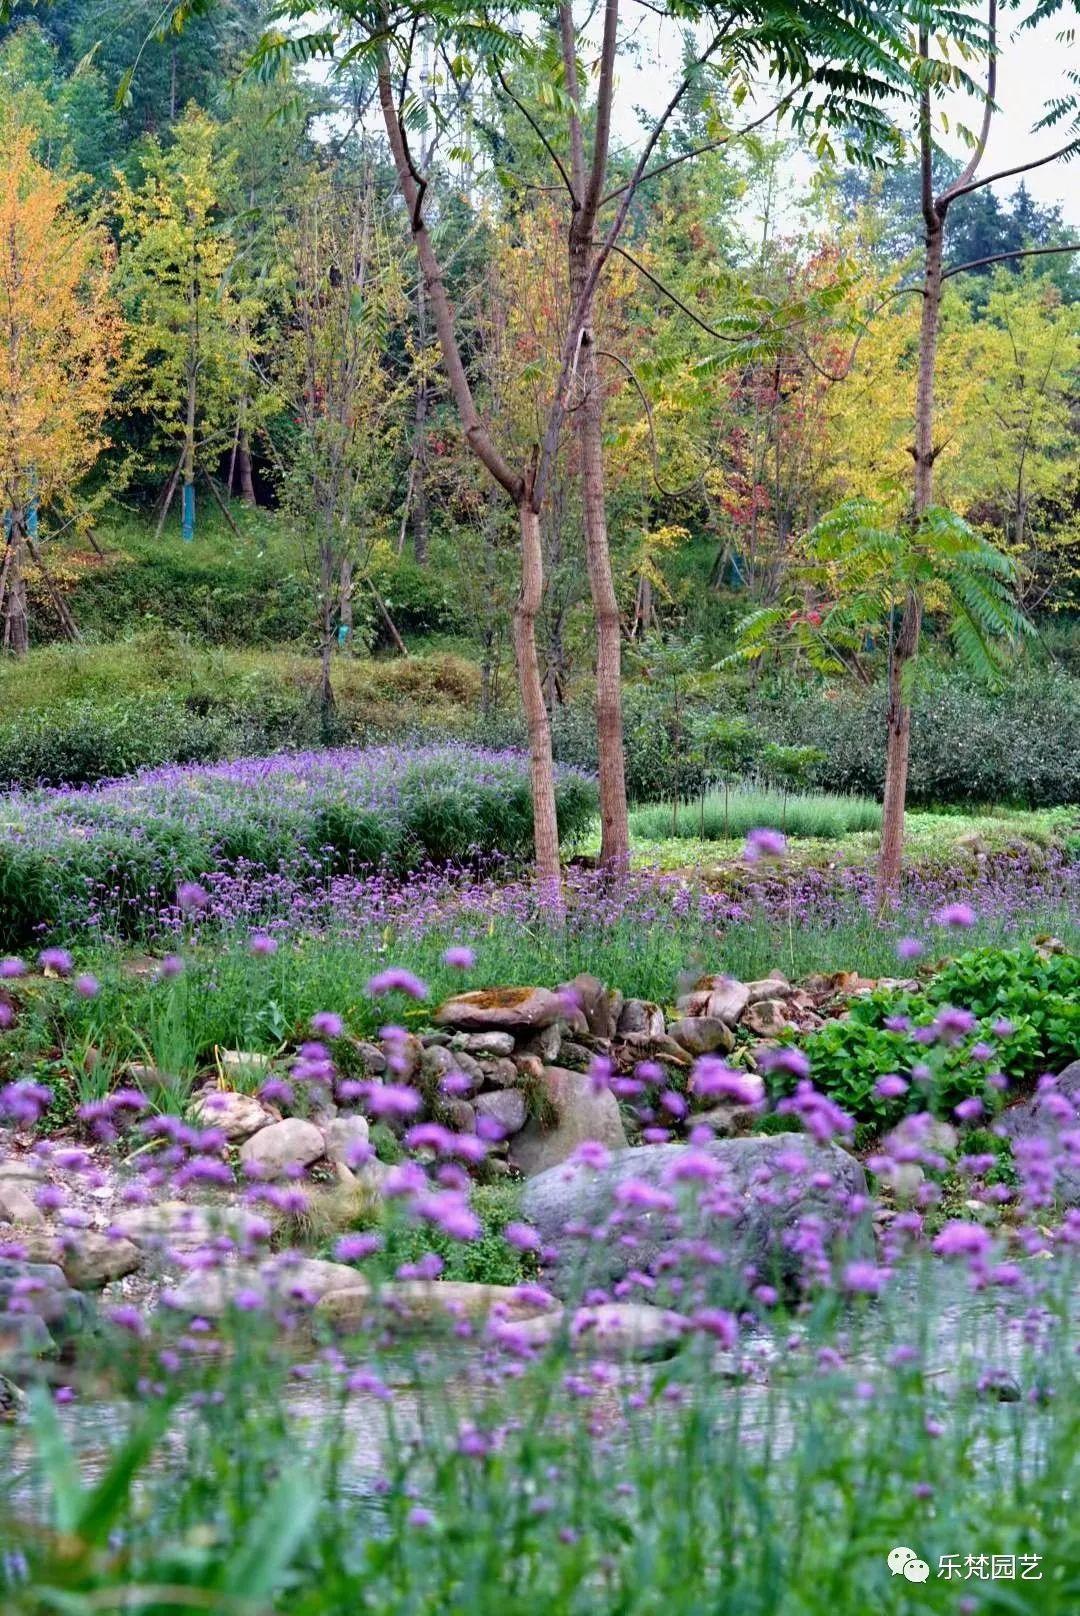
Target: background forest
[{"x": 255, "y": 371}]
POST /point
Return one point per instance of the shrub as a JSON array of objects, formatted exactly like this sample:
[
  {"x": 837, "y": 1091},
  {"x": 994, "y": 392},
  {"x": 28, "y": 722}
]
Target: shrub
[
  {"x": 1037, "y": 994},
  {"x": 1018, "y": 746},
  {"x": 129, "y": 844},
  {"x": 488, "y": 1260}
]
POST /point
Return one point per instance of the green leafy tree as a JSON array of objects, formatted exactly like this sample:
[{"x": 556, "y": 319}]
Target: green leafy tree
[
  {"x": 857, "y": 574},
  {"x": 191, "y": 300}
]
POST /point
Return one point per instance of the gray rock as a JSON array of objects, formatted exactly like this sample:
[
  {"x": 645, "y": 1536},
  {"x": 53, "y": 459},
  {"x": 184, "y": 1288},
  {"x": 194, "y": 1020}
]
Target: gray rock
[
  {"x": 421, "y": 1302},
  {"x": 500, "y": 1009},
  {"x": 702, "y": 1035},
  {"x": 1037, "y": 1117},
  {"x": 575, "y": 1056},
  {"x": 283, "y": 1144},
  {"x": 39, "y": 1289},
  {"x": 639, "y": 1016},
  {"x": 459, "y": 1114},
  {"x": 501, "y": 1072},
  {"x": 768, "y": 987},
  {"x": 181, "y": 1225},
  {"x": 507, "y": 1106},
  {"x": 657, "y": 1046},
  {"x": 609, "y": 1330},
  {"x": 544, "y": 1044},
  {"x": 373, "y": 1058},
  {"x": 590, "y": 995},
  {"x": 23, "y": 1337},
  {"x": 727, "y": 1000},
  {"x": 490, "y": 1043},
  {"x": 280, "y": 1281},
  {"x": 437, "y": 1061},
  {"x": 757, "y": 1230},
  {"x": 345, "y": 1139},
  {"x": 21, "y": 1169},
  {"x": 767, "y": 1018},
  {"x": 580, "y": 1113},
  {"x": 729, "y": 1121},
  {"x": 16, "y": 1206},
  {"x": 88, "y": 1260},
  {"x": 237, "y": 1115}
]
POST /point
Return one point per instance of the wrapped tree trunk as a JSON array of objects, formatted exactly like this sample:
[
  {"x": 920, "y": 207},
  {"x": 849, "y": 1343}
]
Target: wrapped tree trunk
[{"x": 16, "y": 637}]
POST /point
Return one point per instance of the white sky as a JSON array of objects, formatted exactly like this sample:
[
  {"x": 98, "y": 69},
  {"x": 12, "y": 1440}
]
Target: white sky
[{"x": 1032, "y": 68}]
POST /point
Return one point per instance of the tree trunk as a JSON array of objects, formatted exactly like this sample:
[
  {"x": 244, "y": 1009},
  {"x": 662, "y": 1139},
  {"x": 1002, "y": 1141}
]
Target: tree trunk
[
  {"x": 345, "y": 589},
  {"x": 542, "y": 768},
  {"x": 187, "y": 509},
  {"x": 906, "y": 644},
  {"x": 13, "y": 593},
  {"x": 326, "y": 632},
  {"x": 614, "y": 826},
  {"x": 419, "y": 469},
  {"x": 588, "y": 187},
  {"x": 243, "y": 468},
  {"x": 541, "y": 763}
]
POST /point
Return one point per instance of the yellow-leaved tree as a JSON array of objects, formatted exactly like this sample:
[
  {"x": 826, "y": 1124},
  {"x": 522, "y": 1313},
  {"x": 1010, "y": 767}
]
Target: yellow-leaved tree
[
  {"x": 193, "y": 302},
  {"x": 60, "y": 340}
]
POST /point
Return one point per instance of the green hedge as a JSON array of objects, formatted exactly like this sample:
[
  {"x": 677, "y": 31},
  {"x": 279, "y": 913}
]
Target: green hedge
[{"x": 1019, "y": 746}]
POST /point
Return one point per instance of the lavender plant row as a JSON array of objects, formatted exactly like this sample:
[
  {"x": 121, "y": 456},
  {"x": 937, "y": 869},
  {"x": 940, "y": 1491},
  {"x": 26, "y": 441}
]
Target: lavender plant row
[{"x": 114, "y": 856}]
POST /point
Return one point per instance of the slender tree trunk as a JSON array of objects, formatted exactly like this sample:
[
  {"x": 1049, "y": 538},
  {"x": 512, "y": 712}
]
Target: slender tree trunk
[
  {"x": 419, "y": 509},
  {"x": 588, "y": 187},
  {"x": 345, "y": 590},
  {"x": 243, "y": 468},
  {"x": 541, "y": 764},
  {"x": 187, "y": 510},
  {"x": 614, "y": 825},
  {"x": 13, "y": 596},
  {"x": 326, "y": 632},
  {"x": 906, "y": 642}
]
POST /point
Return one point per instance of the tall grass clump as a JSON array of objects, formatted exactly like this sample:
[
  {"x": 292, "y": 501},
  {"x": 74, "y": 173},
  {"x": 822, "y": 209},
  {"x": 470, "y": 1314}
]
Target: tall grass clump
[{"x": 729, "y": 813}]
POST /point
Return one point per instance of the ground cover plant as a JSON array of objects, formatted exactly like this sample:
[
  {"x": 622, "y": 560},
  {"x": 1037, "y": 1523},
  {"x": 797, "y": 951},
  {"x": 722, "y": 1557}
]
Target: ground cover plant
[{"x": 108, "y": 856}]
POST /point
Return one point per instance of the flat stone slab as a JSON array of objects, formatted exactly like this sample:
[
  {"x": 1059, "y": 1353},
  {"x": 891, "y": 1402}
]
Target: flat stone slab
[
  {"x": 416, "y": 1302},
  {"x": 210, "y": 1292},
  {"x": 506, "y": 1009}
]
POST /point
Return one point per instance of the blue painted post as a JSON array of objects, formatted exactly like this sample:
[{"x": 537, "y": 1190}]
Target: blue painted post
[{"x": 187, "y": 515}]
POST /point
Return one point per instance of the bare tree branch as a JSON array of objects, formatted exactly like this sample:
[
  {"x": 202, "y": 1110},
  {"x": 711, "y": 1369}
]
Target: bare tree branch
[{"x": 1001, "y": 258}]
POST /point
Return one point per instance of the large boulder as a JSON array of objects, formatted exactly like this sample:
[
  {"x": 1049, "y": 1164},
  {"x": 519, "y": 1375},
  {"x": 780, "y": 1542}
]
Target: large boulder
[
  {"x": 506, "y": 1106},
  {"x": 702, "y": 1035},
  {"x": 501, "y": 1009},
  {"x": 573, "y": 1112},
  {"x": 295, "y": 1283},
  {"x": 294, "y": 1142},
  {"x": 727, "y": 1000},
  {"x": 88, "y": 1260},
  {"x": 750, "y": 1199},
  {"x": 237, "y": 1115},
  {"x": 609, "y": 1330},
  {"x": 40, "y": 1290},
  {"x": 418, "y": 1302}
]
